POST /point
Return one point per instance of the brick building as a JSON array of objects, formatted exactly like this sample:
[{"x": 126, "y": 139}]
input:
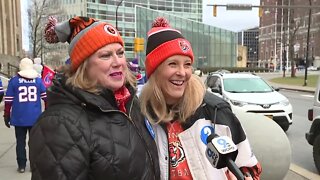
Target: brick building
[{"x": 283, "y": 34}]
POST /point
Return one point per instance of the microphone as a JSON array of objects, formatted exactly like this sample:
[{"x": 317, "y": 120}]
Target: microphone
[{"x": 222, "y": 152}]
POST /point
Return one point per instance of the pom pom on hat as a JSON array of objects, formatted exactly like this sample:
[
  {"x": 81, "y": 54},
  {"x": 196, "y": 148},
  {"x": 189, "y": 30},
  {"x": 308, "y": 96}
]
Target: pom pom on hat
[
  {"x": 160, "y": 22},
  {"x": 164, "y": 42},
  {"x": 49, "y": 32},
  {"x": 85, "y": 36}
]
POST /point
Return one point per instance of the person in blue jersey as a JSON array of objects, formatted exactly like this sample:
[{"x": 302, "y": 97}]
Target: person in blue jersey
[
  {"x": 184, "y": 114},
  {"x": 135, "y": 69},
  {"x": 1, "y": 90},
  {"x": 22, "y": 106},
  {"x": 93, "y": 128}
]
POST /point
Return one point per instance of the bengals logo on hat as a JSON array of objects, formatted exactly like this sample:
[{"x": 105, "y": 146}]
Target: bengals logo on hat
[
  {"x": 111, "y": 30},
  {"x": 184, "y": 45}
]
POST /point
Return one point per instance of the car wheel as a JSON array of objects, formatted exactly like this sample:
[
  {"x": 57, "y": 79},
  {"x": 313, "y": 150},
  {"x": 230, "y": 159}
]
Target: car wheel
[
  {"x": 285, "y": 127},
  {"x": 316, "y": 152}
]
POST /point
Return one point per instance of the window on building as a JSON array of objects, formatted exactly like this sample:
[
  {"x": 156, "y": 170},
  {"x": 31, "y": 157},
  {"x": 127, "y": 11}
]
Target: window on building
[{"x": 128, "y": 4}]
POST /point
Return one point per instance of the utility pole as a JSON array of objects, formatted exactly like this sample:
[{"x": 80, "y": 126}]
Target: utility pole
[
  {"x": 275, "y": 38},
  {"x": 307, "y": 53}
]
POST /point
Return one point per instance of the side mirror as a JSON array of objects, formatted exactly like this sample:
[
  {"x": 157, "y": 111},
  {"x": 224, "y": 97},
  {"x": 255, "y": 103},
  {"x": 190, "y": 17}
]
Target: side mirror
[
  {"x": 216, "y": 90},
  {"x": 276, "y": 89}
]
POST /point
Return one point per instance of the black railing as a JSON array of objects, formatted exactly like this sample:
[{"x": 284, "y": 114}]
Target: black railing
[{"x": 10, "y": 71}]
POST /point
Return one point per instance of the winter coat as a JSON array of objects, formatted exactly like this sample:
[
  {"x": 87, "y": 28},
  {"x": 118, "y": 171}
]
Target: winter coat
[
  {"x": 83, "y": 136},
  {"x": 197, "y": 128}
]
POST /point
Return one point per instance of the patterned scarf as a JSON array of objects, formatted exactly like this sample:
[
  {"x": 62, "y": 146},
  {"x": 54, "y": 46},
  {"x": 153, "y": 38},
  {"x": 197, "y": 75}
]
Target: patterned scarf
[{"x": 122, "y": 96}]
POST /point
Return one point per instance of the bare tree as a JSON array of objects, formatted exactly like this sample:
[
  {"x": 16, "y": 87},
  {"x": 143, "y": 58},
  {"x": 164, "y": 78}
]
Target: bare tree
[
  {"x": 294, "y": 28},
  {"x": 291, "y": 27}
]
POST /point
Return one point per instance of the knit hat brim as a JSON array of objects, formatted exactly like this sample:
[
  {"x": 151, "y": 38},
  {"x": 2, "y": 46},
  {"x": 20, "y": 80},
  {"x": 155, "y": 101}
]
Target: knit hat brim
[{"x": 178, "y": 46}]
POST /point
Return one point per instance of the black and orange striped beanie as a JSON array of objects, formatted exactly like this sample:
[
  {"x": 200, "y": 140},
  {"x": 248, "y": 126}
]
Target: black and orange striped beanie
[{"x": 164, "y": 42}]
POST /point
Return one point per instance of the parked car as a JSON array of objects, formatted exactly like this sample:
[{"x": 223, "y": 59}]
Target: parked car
[
  {"x": 250, "y": 93},
  {"x": 312, "y": 68},
  {"x": 313, "y": 136}
]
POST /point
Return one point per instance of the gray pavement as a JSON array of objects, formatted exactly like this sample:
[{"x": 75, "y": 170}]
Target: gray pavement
[
  {"x": 295, "y": 172},
  {"x": 8, "y": 165}
]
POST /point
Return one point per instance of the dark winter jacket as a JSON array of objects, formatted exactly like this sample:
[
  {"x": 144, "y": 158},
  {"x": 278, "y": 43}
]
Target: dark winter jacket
[{"x": 83, "y": 136}]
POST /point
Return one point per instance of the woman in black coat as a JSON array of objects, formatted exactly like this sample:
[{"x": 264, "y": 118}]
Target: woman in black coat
[{"x": 93, "y": 127}]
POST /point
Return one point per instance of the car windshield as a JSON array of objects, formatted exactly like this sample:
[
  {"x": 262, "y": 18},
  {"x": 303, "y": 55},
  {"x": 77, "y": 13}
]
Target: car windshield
[{"x": 246, "y": 85}]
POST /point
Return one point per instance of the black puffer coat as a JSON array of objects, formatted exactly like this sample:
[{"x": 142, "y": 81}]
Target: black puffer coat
[{"x": 82, "y": 136}]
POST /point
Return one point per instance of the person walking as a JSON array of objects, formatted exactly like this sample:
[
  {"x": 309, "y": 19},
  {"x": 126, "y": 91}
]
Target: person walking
[
  {"x": 93, "y": 128},
  {"x": 22, "y": 106},
  {"x": 184, "y": 114}
]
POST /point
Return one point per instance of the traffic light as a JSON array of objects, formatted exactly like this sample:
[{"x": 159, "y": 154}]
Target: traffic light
[
  {"x": 138, "y": 44},
  {"x": 260, "y": 11},
  {"x": 214, "y": 10}
]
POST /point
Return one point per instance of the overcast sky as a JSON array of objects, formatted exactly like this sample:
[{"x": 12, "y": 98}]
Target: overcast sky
[{"x": 231, "y": 20}]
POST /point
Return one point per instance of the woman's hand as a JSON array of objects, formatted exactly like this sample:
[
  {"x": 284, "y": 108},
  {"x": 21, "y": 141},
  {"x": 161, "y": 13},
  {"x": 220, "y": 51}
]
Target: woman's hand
[{"x": 231, "y": 176}]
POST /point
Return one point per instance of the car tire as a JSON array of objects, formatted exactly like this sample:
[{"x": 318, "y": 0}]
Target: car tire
[
  {"x": 316, "y": 152},
  {"x": 285, "y": 127}
]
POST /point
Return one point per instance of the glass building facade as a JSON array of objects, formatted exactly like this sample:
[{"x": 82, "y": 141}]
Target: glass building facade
[
  {"x": 250, "y": 39},
  {"x": 212, "y": 46},
  {"x": 122, "y": 13}
]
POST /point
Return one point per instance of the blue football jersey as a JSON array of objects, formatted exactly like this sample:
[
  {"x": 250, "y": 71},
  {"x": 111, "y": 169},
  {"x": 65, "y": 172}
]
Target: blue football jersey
[
  {"x": 1, "y": 87},
  {"x": 25, "y": 96}
]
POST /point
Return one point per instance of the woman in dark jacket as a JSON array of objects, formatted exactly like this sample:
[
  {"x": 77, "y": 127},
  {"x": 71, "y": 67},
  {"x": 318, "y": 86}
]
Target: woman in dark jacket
[{"x": 93, "y": 127}]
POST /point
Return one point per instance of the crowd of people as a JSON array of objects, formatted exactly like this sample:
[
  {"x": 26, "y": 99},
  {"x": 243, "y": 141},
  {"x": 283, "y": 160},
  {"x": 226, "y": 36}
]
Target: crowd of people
[{"x": 103, "y": 119}]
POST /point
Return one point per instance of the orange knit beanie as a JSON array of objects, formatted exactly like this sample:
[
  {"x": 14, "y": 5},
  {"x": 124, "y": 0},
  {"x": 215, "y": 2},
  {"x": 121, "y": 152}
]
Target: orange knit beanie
[{"x": 85, "y": 36}]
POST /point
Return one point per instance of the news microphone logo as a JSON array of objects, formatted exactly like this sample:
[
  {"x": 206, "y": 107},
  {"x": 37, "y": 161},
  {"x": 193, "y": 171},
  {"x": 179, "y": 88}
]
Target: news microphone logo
[
  {"x": 218, "y": 148},
  {"x": 224, "y": 144},
  {"x": 206, "y": 131}
]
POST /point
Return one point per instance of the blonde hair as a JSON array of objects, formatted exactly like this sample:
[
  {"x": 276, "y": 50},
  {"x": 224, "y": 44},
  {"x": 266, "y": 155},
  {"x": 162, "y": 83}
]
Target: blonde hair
[
  {"x": 80, "y": 78},
  {"x": 154, "y": 107}
]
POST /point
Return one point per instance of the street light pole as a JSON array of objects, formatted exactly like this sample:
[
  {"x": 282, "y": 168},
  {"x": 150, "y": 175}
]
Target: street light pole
[
  {"x": 117, "y": 13},
  {"x": 307, "y": 53},
  {"x": 275, "y": 38}
]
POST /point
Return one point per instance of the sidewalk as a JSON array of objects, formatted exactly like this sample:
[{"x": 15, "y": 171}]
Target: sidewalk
[{"x": 8, "y": 164}]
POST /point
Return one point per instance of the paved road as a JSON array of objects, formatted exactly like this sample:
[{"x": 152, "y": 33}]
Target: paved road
[{"x": 295, "y": 172}]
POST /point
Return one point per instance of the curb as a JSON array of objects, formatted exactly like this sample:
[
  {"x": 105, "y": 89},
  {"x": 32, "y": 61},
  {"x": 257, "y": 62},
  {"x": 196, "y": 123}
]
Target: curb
[
  {"x": 295, "y": 89},
  {"x": 303, "y": 172}
]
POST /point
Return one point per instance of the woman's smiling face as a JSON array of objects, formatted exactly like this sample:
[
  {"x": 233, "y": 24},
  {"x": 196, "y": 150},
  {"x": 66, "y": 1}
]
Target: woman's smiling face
[{"x": 173, "y": 75}]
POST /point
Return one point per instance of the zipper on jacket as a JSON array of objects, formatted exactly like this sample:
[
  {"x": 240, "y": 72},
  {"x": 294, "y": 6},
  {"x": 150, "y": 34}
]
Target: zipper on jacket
[{"x": 135, "y": 126}]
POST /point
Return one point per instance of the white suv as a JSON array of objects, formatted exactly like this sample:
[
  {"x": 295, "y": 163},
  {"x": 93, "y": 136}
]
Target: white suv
[
  {"x": 250, "y": 93},
  {"x": 313, "y": 136}
]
